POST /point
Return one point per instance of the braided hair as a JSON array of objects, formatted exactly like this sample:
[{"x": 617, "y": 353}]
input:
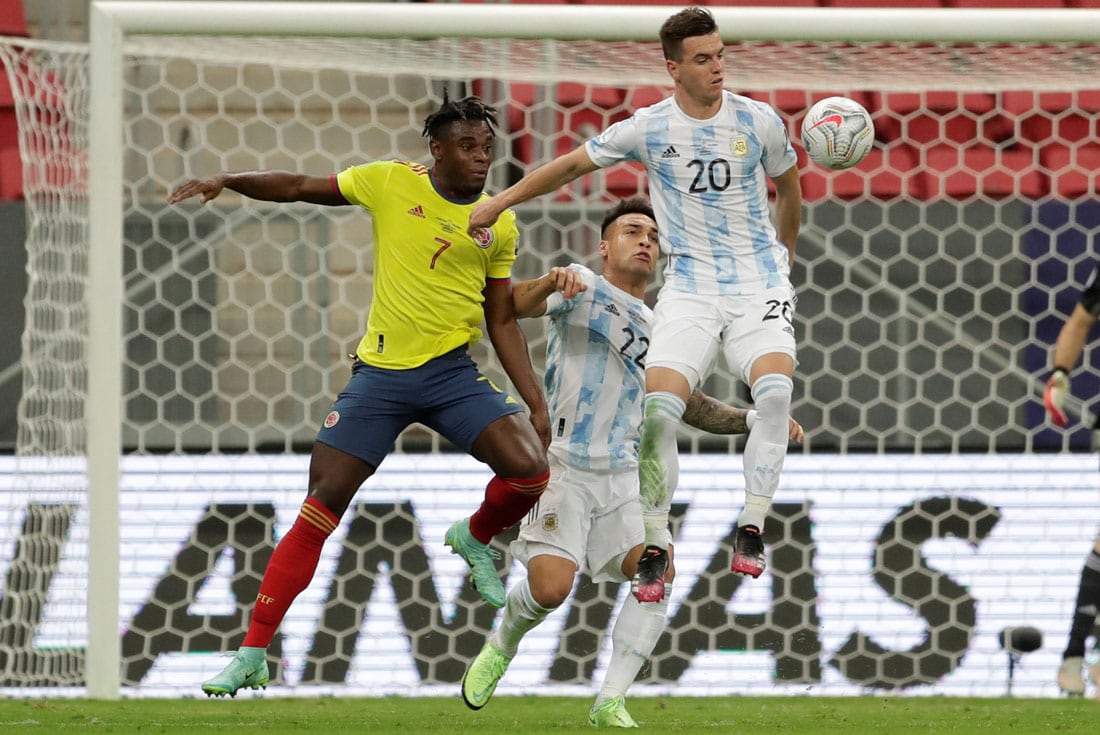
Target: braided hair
[{"x": 467, "y": 108}]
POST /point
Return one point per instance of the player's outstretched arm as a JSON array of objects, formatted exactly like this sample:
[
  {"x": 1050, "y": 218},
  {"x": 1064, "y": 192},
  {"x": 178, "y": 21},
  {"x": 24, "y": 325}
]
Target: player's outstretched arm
[
  {"x": 511, "y": 349},
  {"x": 788, "y": 209},
  {"x": 542, "y": 180},
  {"x": 710, "y": 414},
  {"x": 269, "y": 186},
  {"x": 529, "y": 297}
]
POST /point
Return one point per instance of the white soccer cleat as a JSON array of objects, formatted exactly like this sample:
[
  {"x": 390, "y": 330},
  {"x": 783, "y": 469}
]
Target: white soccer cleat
[{"x": 1070, "y": 680}]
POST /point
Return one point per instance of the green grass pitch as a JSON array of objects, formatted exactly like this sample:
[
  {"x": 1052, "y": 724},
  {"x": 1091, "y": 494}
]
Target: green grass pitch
[{"x": 523, "y": 715}]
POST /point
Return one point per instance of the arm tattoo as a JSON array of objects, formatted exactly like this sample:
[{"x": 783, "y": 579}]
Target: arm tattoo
[
  {"x": 710, "y": 414},
  {"x": 527, "y": 287}
]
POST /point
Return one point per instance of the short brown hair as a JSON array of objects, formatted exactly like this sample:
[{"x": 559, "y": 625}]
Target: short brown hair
[
  {"x": 688, "y": 23},
  {"x": 630, "y": 205}
]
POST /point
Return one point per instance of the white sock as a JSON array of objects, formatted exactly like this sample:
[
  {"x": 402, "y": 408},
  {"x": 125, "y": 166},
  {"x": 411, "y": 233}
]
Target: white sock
[
  {"x": 521, "y": 614},
  {"x": 659, "y": 463},
  {"x": 766, "y": 448},
  {"x": 636, "y": 632}
]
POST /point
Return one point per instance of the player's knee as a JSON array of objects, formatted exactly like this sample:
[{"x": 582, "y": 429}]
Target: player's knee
[
  {"x": 550, "y": 591},
  {"x": 532, "y": 466},
  {"x": 530, "y": 484},
  {"x": 772, "y": 398},
  {"x": 335, "y": 501}
]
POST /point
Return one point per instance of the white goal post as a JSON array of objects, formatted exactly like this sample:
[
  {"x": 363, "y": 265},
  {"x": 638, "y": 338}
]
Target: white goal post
[{"x": 114, "y": 24}]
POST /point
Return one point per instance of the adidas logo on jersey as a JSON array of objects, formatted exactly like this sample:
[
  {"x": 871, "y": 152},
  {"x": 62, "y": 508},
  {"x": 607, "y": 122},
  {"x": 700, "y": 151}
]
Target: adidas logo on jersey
[
  {"x": 670, "y": 152},
  {"x": 610, "y": 309},
  {"x": 417, "y": 211}
]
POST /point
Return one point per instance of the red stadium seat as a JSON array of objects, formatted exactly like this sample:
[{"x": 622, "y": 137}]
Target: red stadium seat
[
  {"x": 645, "y": 96},
  {"x": 767, "y": 3},
  {"x": 1042, "y": 117},
  {"x": 621, "y": 2},
  {"x": 7, "y": 99},
  {"x": 881, "y": 3},
  {"x": 11, "y": 174},
  {"x": 1072, "y": 170},
  {"x": 9, "y": 128},
  {"x": 1003, "y": 4},
  {"x": 13, "y": 21},
  {"x": 584, "y": 111},
  {"x": 885, "y": 174},
  {"x": 938, "y": 116},
  {"x": 954, "y": 172},
  {"x": 588, "y": 110},
  {"x": 790, "y": 101},
  {"x": 624, "y": 179}
]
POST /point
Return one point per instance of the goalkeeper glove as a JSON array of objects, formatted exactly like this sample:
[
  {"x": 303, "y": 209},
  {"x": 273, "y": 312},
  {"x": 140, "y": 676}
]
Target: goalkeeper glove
[{"x": 1054, "y": 397}]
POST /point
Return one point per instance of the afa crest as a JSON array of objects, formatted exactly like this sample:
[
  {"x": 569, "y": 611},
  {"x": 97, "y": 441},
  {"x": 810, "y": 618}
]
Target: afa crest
[
  {"x": 550, "y": 522},
  {"x": 739, "y": 145}
]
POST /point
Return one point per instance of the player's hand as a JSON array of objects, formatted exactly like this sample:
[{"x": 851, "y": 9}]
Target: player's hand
[
  {"x": 566, "y": 280},
  {"x": 483, "y": 216},
  {"x": 1054, "y": 397},
  {"x": 541, "y": 421},
  {"x": 795, "y": 433},
  {"x": 205, "y": 188}
]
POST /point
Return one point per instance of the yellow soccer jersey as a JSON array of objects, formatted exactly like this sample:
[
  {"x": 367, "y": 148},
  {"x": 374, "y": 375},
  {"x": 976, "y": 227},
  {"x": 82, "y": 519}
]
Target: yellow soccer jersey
[{"x": 428, "y": 273}]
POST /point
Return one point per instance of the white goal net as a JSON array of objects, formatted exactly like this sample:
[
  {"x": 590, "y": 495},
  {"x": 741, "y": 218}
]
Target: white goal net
[{"x": 932, "y": 280}]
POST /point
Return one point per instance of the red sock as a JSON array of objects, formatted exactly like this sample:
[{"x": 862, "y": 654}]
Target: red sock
[
  {"x": 507, "y": 501},
  {"x": 291, "y": 568}
]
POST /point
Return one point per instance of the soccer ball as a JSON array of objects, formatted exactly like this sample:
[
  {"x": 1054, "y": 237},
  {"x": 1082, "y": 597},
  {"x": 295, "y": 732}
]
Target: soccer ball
[{"x": 837, "y": 133}]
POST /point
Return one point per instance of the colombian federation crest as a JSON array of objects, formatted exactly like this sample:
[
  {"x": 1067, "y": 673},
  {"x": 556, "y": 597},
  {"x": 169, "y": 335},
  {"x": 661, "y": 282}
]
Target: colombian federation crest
[
  {"x": 332, "y": 419},
  {"x": 483, "y": 237}
]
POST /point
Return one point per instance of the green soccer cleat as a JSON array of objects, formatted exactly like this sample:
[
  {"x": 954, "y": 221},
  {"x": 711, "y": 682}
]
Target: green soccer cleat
[
  {"x": 247, "y": 670},
  {"x": 480, "y": 680},
  {"x": 483, "y": 572},
  {"x": 611, "y": 713}
]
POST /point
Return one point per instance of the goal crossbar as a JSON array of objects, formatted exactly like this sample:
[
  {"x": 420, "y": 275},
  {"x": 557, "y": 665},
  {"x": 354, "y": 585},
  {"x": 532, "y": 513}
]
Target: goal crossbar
[{"x": 595, "y": 22}]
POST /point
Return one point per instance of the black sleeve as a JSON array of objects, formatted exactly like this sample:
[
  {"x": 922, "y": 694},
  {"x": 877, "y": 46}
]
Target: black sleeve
[{"x": 1090, "y": 298}]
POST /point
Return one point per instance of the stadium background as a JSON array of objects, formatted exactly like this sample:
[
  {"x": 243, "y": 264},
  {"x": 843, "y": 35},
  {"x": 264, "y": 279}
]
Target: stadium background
[{"x": 931, "y": 286}]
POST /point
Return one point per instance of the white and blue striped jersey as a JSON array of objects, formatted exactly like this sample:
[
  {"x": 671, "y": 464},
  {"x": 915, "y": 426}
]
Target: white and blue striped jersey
[
  {"x": 595, "y": 374},
  {"x": 708, "y": 185}
]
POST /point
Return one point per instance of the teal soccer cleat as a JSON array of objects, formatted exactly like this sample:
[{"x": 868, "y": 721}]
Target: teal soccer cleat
[
  {"x": 247, "y": 670},
  {"x": 479, "y": 556}
]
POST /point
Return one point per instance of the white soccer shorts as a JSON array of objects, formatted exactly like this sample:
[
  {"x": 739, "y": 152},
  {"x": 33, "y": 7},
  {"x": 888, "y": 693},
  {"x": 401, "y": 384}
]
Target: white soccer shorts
[
  {"x": 689, "y": 329},
  {"x": 593, "y": 518}
]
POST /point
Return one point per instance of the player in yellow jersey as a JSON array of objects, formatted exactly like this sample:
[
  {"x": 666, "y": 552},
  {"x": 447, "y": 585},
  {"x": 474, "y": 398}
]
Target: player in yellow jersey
[{"x": 434, "y": 284}]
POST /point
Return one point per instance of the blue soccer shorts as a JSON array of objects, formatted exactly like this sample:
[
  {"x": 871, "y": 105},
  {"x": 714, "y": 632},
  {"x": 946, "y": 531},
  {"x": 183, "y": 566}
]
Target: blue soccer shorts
[{"x": 448, "y": 394}]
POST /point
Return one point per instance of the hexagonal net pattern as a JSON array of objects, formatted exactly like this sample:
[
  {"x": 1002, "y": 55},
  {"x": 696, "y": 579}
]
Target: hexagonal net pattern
[{"x": 932, "y": 278}]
